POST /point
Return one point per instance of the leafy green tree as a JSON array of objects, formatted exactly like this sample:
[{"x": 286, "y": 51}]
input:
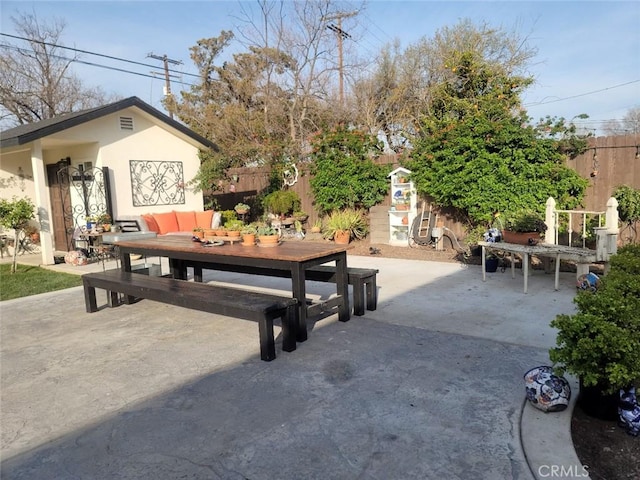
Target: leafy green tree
[
  {"x": 344, "y": 174},
  {"x": 16, "y": 214},
  {"x": 478, "y": 153}
]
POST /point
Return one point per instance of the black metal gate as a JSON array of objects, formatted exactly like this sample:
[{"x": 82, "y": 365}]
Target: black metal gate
[{"x": 83, "y": 194}]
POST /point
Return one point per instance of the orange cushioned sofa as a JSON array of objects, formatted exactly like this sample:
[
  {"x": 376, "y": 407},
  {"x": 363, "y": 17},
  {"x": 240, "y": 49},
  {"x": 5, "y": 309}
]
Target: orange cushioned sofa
[{"x": 177, "y": 223}]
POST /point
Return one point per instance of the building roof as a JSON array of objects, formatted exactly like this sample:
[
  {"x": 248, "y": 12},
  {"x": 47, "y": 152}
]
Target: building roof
[{"x": 33, "y": 131}]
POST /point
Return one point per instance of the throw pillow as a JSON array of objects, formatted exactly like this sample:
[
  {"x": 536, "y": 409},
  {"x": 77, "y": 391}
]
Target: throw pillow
[
  {"x": 166, "y": 222},
  {"x": 186, "y": 221},
  {"x": 203, "y": 219},
  {"x": 152, "y": 225}
]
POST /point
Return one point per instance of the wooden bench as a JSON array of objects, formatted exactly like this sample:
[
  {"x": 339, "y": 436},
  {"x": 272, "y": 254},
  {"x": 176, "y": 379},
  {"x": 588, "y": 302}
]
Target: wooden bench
[
  {"x": 230, "y": 302},
  {"x": 363, "y": 280}
]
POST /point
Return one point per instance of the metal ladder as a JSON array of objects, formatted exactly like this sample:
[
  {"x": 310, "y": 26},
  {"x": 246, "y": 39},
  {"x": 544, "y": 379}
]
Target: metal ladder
[{"x": 422, "y": 226}]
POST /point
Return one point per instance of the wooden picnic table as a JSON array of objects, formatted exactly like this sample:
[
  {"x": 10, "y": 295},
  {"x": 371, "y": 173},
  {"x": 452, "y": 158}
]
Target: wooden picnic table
[{"x": 295, "y": 256}]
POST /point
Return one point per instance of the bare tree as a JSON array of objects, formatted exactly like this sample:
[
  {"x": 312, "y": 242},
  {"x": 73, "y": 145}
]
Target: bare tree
[
  {"x": 409, "y": 78},
  {"x": 36, "y": 81},
  {"x": 630, "y": 124}
]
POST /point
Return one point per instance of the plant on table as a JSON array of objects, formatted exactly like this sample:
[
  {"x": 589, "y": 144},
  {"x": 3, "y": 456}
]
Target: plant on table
[
  {"x": 234, "y": 227},
  {"x": 601, "y": 343},
  {"x": 524, "y": 221}
]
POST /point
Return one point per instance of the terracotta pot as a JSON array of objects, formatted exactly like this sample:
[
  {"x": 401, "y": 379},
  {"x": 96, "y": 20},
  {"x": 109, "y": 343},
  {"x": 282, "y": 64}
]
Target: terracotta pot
[
  {"x": 268, "y": 239},
  {"x": 342, "y": 237},
  {"x": 249, "y": 238},
  {"x": 521, "y": 238},
  {"x": 316, "y": 229},
  {"x": 233, "y": 233}
]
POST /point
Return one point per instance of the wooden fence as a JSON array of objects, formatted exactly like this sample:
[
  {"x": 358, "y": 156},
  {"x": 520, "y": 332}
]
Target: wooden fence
[{"x": 608, "y": 163}]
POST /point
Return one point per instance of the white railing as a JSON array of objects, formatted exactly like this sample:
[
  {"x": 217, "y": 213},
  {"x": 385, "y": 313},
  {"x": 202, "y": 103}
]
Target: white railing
[
  {"x": 571, "y": 214},
  {"x": 606, "y": 236}
]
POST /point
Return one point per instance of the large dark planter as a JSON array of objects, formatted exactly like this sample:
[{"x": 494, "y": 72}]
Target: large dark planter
[
  {"x": 597, "y": 404},
  {"x": 491, "y": 264},
  {"x": 521, "y": 238}
]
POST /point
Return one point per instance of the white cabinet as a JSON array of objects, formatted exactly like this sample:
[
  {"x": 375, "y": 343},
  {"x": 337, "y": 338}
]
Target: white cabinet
[{"x": 403, "y": 207}]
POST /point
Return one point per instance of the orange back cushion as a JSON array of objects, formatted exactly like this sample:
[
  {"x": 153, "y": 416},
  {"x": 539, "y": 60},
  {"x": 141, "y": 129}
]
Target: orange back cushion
[
  {"x": 203, "y": 219},
  {"x": 186, "y": 221},
  {"x": 151, "y": 223},
  {"x": 167, "y": 222}
]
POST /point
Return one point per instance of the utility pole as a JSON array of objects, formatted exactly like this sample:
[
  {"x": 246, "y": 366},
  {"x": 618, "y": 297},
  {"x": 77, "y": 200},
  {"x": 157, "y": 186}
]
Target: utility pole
[
  {"x": 342, "y": 35},
  {"x": 167, "y": 77}
]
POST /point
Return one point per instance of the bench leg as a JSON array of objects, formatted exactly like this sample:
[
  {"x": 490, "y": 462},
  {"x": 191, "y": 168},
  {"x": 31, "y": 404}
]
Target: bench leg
[
  {"x": 372, "y": 294},
  {"x": 90, "y": 298},
  {"x": 113, "y": 299},
  {"x": 289, "y": 323},
  {"x": 197, "y": 274},
  {"x": 267, "y": 343},
  {"x": 358, "y": 297}
]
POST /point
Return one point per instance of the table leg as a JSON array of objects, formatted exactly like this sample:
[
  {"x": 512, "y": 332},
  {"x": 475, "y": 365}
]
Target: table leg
[
  {"x": 125, "y": 260},
  {"x": 342, "y": 285},
  {"x": 484, "y": 272},
  {"x": 557, "y": 271},
  {"x": 513, "y": 265},
  {"x": 299, "y": 292},
  {"x": 525, "y": 266}
]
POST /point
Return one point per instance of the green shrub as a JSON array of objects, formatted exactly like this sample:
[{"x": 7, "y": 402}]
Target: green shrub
[
  {"x": 601, "y": 343},
  {"x": 282, "y": 202}
]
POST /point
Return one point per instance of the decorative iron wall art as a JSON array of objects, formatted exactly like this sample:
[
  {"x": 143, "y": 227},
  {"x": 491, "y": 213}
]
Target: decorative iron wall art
[{"x": 156, "y": 183}]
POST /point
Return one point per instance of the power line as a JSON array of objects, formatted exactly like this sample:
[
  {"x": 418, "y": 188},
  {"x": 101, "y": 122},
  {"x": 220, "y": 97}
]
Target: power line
[
  {"x": 31, "y": 40},
  {"x": 581, "y": 94},
  {"x": 92, "y": 64}
]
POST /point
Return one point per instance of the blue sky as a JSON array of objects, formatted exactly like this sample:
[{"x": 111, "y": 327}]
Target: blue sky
[{"x": 588, "y": 57}]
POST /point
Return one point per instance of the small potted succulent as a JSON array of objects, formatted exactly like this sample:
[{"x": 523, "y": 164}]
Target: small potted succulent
[
  {"x": 242, "y": 208},
  {"x": 249, "y": 233},
  {"x": 267, "y": 235},
  {"x": 234, "y": 227},
  {"x": 198, "y": 232}
]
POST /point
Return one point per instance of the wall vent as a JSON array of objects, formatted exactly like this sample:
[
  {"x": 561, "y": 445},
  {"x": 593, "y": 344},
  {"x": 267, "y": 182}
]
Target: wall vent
[{"x": 126, "y": 123}]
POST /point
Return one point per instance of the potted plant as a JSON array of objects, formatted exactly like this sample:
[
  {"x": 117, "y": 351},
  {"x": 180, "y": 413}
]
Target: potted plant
[
  {"x": 343, "y": 225},
  {"x": 249, "y": 233},
  {"x": 300, "y": 216},
  {"x": 317, "y": 226},
  {"x": 242, "y": 208},
  {"x": 523, "y": 227},
  {"x": 234, "y": 227},
  {"x": 104, "y": 219},
  {"x": 600, "y": 344},
  {"x": 267, "y": 235},
  {"x": 198, "y": 232}
]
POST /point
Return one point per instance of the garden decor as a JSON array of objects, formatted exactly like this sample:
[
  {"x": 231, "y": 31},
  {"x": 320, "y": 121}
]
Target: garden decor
[{"x": 546, "y": 391}]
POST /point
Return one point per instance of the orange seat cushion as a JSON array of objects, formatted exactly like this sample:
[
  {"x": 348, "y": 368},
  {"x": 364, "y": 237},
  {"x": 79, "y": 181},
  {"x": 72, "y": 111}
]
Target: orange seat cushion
[
  {"x": 151, "y": 223},
  {"x": 167, "y": 222},
  {"x": 203, "y": 219},
  {"x": 186, "y": 221}
]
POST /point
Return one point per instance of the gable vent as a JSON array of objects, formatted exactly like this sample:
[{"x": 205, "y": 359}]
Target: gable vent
[{"x": 126, "y": 123}]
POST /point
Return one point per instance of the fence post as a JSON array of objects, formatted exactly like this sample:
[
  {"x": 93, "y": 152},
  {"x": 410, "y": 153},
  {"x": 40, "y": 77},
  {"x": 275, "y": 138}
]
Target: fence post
[{"x": 550, "y": 221}]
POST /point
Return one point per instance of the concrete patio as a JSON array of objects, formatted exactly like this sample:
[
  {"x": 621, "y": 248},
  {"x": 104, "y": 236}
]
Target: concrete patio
[{"x": 428, "y": 386}]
